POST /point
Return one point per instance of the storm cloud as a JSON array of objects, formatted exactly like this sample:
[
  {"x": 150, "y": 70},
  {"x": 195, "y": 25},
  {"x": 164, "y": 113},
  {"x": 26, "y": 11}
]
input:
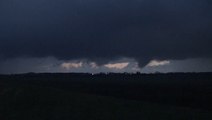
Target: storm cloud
[{"x": 105, "y": 30}]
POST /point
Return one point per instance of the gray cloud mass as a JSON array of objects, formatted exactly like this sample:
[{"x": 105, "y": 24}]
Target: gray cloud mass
[{"x": 104, "y": 30}]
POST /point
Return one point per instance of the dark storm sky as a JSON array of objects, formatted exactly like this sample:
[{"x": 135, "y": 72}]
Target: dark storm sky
[{"x": 104, "y": 30}]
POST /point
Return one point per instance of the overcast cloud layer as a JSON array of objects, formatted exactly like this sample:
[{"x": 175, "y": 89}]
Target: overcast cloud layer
[{"x": 105, "y": 30}]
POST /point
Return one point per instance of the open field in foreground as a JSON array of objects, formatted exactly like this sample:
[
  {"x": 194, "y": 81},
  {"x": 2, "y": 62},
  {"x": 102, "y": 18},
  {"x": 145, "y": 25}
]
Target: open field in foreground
[{"x": 37, "y": 100}]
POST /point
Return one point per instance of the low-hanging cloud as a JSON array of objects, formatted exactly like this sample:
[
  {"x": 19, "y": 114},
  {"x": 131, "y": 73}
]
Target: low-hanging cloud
[{"x": 105, "y": 30}]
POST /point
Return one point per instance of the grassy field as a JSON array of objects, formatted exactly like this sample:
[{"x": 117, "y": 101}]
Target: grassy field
[{"x": 24, "y": 102}]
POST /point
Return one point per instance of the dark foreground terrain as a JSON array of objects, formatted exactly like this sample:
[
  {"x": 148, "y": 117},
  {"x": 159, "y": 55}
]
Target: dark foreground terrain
[{"x": 179, "y": 96}]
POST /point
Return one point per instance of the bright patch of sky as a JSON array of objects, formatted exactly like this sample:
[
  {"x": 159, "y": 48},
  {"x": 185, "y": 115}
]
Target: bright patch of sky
[
  {"x": 155, "y": 63},
  {"x": 117, "y": 65},
  {"x": 69, "y": 65}
]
